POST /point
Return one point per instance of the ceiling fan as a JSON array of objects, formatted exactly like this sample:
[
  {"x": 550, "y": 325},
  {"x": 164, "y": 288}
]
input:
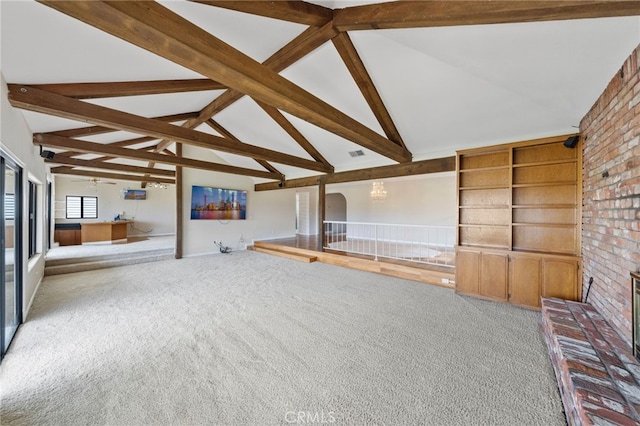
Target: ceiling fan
[{"x": 95, "y": 181}]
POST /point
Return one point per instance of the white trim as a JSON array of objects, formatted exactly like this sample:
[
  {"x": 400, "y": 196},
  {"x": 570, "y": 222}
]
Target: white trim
[{"x": 25, "y": 312}]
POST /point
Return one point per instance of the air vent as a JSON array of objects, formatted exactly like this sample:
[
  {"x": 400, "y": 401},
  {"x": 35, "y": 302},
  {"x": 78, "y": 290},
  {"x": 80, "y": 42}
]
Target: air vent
[{"x": 357, "y": 153}]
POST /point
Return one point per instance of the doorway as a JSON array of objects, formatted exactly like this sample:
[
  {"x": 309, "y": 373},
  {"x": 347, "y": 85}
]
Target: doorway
[
  {"x": 302, "y": 213},
  {"x": 335, "y": 209},
  {"x": 10, "y": 251}
]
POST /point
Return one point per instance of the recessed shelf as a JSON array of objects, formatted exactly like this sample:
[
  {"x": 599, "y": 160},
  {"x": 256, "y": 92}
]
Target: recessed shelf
[
  {"x": 475, "y": 188},
  {"x": 544, "y": 252},
  {"x": 544, "y": 163},
  {"x": 545, "y": 225},
  {"x": 485, "y": 225},
  {"x": 493, "y": 246},
  {"x": 545, "y": 206},
  {"x": 485, "y": 207},
  {"x": 482, "y": 169},
  {"x": 543, "y": 184}
]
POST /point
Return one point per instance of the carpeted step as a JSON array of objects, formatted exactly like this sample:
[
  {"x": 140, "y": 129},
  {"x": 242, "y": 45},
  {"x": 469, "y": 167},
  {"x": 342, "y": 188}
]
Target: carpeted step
[
  {"x": 111, "y": 261},
  {"x": 99, "y": 258}
]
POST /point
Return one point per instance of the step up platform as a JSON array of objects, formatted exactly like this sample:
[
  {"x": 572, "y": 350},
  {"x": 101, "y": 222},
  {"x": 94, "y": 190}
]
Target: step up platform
[
  {"x": 89, "y": 263},
  {"x": 301, "y": 257},
  {"x": 598, "y": 376},
  {"x": 439, "y": 276}
]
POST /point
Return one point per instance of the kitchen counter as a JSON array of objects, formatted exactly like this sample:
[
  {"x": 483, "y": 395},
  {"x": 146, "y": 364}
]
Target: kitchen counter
[{"x": 105, "y": 231}]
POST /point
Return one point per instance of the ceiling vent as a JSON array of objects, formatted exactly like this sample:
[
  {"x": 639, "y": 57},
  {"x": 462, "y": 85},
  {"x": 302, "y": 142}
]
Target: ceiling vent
[{"x": 358, "y": 153}]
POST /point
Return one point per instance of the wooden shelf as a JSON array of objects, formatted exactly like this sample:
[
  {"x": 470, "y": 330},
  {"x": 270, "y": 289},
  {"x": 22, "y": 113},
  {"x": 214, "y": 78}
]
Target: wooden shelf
[
  {"x": 544, "y": 163},
  {"x": 474, "y": 188},
  {"x": 542, "y": 184},
  {"x": 483, "y": 225},
  {"x": 519, "y": 221},
  {"x": 546, "y": 253},
  {"x": 494, "y": 160},
  {"x": 544, "y": 206},
  {"x": 485, "y": 207},
  {"x": 483, "y": 169},
  {"x": 498, "y": 247},
  {"x": 545, "y": 225}
]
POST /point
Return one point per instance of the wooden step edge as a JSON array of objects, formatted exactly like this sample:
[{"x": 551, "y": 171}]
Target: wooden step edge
[
  {"x": 299, "y": 257},
  {"x": 284, "y": 249}
]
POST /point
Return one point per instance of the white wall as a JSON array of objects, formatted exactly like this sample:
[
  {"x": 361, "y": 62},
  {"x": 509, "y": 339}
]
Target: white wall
[
  {"x": 420, "y": 200},
  {"x": 270, "y": 214},
  {"x": 16, "y": 141},
  {"x": 151, "y": 217}
]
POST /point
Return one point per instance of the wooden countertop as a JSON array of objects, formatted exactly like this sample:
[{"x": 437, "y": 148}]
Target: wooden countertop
[{"x": 116, "y": 222}]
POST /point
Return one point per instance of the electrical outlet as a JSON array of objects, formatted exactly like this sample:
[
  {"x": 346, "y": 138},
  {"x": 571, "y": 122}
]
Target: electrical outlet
[
  {"x": 241, "y": 238},
  {"x": 445, "y": 281}
]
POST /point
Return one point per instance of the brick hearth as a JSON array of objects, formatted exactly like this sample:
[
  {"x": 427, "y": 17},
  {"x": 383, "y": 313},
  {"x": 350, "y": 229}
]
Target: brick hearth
[{"x": 598, "y": 376}]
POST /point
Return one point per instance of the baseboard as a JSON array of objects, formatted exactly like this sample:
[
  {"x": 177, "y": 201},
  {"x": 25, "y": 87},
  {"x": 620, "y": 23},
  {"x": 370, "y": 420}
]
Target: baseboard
[
  {"x": 25, "y": 313},
  {"x": 209, "y": 253}
]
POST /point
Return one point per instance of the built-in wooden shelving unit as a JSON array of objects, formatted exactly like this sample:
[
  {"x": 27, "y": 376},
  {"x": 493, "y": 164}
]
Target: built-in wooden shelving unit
[{"x": 519, "y": 208}]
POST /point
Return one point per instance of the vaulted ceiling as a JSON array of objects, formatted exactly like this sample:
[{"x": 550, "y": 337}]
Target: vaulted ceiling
[{"x": 281, "y": 90}]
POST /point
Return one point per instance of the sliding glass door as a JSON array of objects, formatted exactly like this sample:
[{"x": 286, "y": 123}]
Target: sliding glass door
[{"x": 10, "y": 253}]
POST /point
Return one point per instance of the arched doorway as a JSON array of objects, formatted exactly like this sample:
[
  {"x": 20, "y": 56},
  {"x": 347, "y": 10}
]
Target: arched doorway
[{"x": 335, "y": 208}]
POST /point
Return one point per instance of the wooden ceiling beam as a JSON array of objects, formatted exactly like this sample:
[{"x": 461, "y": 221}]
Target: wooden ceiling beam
[
  {"x": 309, "y": 40},
  {"x": 438, "y": 165},
  {"x": 129, "y": 88},
  {"x": 96, "y": 164},
  {"x": 69, "y": 154},
  {"x": 169, "y": 35},
  {"x": 26, "y": 97},
  {"x": 299, "y": 12},
  {"x": 121, "y": 144},
  {"x": 437, "y": 13},
  {"x": 286, "y": 125},
  {"x": 305, "y": 43},
  {"x": 93, "y": 147},
  {"x": 227, "y": 134},
  {"x": 351, "y": 59},
  {"x": 97, "y": 130},
  {"x": 117, "y": 176}
]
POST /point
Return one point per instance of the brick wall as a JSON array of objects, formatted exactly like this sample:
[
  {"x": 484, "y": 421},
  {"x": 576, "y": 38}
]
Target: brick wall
[{"x": 611, "y": 204}]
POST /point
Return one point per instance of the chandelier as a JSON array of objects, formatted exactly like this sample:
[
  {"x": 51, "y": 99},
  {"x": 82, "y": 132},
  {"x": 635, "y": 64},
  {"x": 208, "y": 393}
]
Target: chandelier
[
  {"x": 157, "y": 185},
  {"x": 378, "y": 193}
]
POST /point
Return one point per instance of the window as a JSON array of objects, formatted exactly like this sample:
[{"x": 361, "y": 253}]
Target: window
[
  {"x": 79, "y": 207},
  {"x": 33, "y": 204},
  {"x": 9, "y": 206}
]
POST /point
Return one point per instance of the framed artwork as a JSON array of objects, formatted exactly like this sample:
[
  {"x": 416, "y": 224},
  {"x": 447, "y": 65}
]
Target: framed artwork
[{"x": 218, "y": 203}]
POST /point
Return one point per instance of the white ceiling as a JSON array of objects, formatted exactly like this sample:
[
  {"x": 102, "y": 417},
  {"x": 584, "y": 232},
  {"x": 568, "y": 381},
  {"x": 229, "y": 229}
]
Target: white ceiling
[{"x": 446, "y": 88}]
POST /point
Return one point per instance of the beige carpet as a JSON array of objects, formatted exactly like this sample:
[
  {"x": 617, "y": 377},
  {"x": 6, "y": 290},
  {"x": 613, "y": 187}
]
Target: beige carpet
[{"x": 247, "y": 338}]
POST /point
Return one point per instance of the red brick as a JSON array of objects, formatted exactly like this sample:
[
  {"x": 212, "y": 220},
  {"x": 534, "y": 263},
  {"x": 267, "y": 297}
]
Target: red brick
[
  {"x": 612, "y": 127},
  {"x": 607, "y": 391},
  {"x": 583, "y": 395},
  {"x": 595, "y": 413}
]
